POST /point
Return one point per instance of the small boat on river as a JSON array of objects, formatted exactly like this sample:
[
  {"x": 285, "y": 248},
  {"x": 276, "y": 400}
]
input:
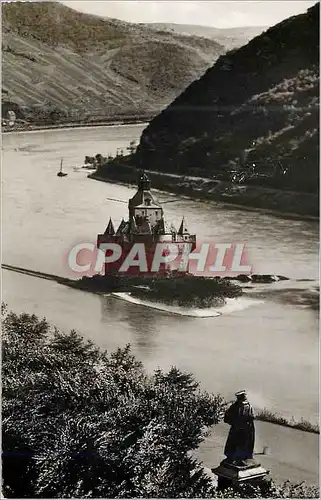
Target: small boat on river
[{"x": 61, "y": 173}]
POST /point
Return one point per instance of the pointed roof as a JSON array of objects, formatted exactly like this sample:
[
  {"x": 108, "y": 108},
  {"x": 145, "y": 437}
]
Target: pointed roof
[
  {"x": 143, "y": 197},
  {"x": 132, "y": 226},
  {"x": 121, "y": 228},
  {"x": 183, "y": 228},
  {"x": 110, "y": 230}
]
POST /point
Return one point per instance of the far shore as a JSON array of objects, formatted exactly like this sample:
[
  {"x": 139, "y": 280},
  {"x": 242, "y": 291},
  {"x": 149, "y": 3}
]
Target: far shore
[
  {"x": 80, "y": 125},
  {"x": 171, "y": 188}
]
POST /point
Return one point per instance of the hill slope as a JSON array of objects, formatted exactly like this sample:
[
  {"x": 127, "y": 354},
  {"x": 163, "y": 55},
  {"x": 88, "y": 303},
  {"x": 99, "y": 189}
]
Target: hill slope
[
  {"x": 229, "y": 37},
  {"x": 257, "y": 105},
  {"x": 60, "y": 64}
]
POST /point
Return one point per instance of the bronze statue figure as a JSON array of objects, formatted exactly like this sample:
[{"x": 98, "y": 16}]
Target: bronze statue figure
[{"x": 240, "y": 442}]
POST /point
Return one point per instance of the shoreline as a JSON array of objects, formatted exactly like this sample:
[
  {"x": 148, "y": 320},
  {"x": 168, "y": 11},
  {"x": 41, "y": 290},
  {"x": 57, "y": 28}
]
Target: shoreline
[
  {"x": 184, "y": 184},
  {"x": 79, "y": 125},
  {"x": 223, "y": 203},
  {"x": 265, "y": 415}
]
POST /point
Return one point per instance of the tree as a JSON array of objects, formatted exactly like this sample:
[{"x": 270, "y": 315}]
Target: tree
[{"x": 78, "y": 422}]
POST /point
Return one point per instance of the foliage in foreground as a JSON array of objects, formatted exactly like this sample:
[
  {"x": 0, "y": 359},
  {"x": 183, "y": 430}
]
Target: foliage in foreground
[
  {"x": 81, "y": 423},
  {"x": 78, "y": 422},
  {"x": 286, "y": 490}
]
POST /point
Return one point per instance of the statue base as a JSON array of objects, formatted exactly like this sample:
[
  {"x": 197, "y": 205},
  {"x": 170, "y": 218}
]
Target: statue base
[{"x": 234, "y": 475}]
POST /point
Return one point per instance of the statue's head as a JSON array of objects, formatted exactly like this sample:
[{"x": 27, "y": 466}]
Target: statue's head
[{"x": 241, "y": 395}]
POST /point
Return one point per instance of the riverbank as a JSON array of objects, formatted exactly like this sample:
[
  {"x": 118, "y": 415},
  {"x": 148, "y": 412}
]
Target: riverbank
[
  {"x": 29, "y": 127},
  {"x": 289, "y": 204},
  {"x": 265, "y": 415}
]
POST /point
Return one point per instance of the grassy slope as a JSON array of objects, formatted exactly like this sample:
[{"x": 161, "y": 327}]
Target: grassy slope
[
  {"x": 61, "y": 62},
  {"x": 266, "y": 415},
  {"x": 257, "y": 104}
]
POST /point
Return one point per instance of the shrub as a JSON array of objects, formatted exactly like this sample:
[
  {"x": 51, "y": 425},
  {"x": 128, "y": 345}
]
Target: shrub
[{"x": 78, "y": 422}]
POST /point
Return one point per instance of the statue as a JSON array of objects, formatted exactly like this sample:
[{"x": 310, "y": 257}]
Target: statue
[
  {"x": 240, "y": 442},
  {"x": 239, "y": 468}
]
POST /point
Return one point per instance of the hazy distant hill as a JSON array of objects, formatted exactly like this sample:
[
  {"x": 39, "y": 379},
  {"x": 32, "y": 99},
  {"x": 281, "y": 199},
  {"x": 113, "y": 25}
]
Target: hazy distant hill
[
  {"x": 229, "y": 37},
  {"x": 257, "y": 105},
  {"x": 59, "y": 64}
]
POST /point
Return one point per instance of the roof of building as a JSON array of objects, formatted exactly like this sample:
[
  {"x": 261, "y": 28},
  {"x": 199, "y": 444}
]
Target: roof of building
[
  {"x": 143, "y": 199},
  {"x": 156, "y": 207},
  {"x": 110, "y": 230},
  {"x": 139, "y": 224},
  {"x": 121, "y": 228},
  {"x": 183, "y": 228}
]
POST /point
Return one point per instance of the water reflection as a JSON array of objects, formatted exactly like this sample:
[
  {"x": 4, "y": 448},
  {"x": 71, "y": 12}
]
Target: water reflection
[{"x": 141, "y": 321}]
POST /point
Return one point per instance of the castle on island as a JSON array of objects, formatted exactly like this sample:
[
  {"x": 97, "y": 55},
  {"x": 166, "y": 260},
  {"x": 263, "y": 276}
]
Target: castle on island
[{"x": 146, "y": 224}]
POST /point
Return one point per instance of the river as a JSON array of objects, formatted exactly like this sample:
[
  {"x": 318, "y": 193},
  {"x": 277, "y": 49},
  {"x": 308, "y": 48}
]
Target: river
[{"x": 270, "y": 348}]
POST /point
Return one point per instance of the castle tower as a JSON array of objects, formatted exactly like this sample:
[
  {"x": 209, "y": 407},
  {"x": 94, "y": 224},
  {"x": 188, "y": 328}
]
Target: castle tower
[
  {"x": 144, "y": 205},
  {"x": 146, "y": 224}
]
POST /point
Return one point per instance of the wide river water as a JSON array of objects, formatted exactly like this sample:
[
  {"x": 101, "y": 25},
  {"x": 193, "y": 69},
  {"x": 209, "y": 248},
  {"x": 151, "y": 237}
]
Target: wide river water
[{"x": 268, "y": 346}]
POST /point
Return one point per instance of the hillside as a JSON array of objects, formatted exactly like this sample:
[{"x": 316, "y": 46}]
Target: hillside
[
  {"x": 254, "y": 112},
  {"x": 60, "y": 65},
  {"x": 231, "y": 38}
]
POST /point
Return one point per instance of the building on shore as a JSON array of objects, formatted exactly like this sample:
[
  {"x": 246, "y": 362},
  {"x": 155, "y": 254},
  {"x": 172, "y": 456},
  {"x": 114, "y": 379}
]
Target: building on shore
[{"x": 146, "y": 224}]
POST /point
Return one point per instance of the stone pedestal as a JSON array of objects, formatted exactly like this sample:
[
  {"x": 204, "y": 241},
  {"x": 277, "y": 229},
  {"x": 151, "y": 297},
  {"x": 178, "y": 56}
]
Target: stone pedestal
[{"x": 233, "y": 475}]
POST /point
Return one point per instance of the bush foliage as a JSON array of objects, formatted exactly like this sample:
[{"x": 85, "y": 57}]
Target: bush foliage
[
  {"x": 191, "y": 291},
  {"x": 78, "y": 422}
]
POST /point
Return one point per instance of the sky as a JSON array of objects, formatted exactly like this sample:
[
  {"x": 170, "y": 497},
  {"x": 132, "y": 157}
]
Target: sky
[{"x": 226, "y": 14}]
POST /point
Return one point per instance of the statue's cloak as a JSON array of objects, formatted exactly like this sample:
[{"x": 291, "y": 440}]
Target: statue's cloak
[{"x": 240, "y": 442}]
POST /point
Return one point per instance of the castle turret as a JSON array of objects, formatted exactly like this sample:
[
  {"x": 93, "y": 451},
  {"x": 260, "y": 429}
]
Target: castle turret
[
  {"x": 144, "y": 205},
  {"x": 110, "y": 230},
  {"x": 183, "y": 234},
  {"x": 143, "y": 182},
  {"x": 183, "y": 228},
  {"x": 121, "y": 228}
]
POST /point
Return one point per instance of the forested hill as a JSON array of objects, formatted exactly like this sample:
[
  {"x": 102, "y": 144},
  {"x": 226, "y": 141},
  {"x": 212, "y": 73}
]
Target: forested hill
[
  {"x": 256, "y": 110},
  {"x": 59, "y": 64}
]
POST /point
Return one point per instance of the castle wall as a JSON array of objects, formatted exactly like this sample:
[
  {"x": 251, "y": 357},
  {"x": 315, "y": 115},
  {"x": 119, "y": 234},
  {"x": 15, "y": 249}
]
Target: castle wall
[{"x": 150, "y": 248}]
